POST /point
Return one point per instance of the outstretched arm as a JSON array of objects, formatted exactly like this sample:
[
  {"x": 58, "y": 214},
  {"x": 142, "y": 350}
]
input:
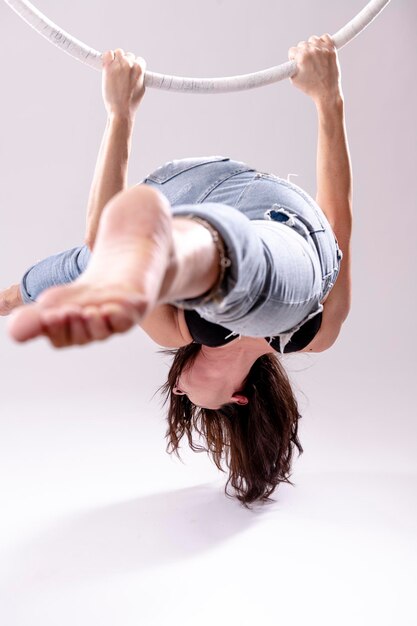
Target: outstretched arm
[
  {"x": 334, "y": 196},
  {"x": 318, "y": 76},
  {"x": 123, "y": 90}
]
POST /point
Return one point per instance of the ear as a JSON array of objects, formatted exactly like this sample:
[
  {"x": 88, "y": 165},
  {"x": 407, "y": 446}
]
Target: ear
[{"x": 238, "y": 399}]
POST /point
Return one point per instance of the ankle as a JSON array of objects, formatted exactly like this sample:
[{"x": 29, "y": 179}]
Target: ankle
[{"x": 10, "y": 299}]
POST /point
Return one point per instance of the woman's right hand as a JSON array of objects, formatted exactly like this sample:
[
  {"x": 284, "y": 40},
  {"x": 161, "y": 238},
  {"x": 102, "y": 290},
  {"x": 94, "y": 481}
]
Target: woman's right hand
[
  {"x": 122, "y": 82},
  {"x": 318, "y": 71}
]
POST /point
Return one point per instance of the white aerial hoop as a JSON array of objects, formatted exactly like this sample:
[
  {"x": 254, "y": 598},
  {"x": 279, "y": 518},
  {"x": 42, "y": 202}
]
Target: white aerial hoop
[{"x": 77, "y": 49}]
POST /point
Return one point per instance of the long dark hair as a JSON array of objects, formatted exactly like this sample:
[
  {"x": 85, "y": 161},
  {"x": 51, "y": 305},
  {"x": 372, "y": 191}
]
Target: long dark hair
[{"x": 256, "y": 439}]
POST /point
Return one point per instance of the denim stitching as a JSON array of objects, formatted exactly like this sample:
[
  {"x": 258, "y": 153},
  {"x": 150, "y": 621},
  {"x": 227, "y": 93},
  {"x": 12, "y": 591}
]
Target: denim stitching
[
  {"x": 157, "y": 178},
  {"x": 218, "y": 182},
  {"x": 246, "y": 189}
]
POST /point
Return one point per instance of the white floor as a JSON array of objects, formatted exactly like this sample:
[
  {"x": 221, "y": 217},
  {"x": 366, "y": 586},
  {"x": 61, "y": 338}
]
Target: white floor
[{"x": 100, "y": 526}]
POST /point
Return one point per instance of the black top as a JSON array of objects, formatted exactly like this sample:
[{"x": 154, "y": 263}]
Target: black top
[{"x": 213, "y": 335}]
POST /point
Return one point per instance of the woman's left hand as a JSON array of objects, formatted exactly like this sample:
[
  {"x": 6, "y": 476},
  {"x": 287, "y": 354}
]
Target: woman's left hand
[
  {"x": 122, "y": 82},
  {"x": 318, "y": 71}
]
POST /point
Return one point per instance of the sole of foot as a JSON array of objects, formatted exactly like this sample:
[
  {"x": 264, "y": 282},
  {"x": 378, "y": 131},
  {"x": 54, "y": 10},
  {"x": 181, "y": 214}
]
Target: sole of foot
[{"x": 121, "y": 283}]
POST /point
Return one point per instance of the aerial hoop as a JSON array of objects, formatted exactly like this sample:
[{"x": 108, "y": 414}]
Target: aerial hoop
[{"x": 93, "y": 58}]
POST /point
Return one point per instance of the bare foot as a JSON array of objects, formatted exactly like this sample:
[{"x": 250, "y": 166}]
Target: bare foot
[
  {"x": 120, "y": 285},
  {"x": 10, "y": 299}
]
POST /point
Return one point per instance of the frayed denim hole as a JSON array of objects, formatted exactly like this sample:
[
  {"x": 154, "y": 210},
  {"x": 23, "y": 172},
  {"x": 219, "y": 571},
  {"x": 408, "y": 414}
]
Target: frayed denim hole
[{"x": 279, "y": 214}]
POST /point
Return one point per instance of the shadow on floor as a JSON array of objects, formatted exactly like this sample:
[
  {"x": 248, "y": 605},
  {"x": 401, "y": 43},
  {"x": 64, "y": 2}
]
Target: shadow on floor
[{"x": 130, "y": 536}]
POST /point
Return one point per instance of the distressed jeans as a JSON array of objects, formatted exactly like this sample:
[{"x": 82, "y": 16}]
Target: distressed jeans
[{"x": 284, "y": 255}]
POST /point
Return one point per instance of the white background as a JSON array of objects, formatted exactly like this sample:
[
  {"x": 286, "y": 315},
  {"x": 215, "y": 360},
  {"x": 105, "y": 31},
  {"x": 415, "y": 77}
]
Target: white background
[{"x": 98, "y": 524}]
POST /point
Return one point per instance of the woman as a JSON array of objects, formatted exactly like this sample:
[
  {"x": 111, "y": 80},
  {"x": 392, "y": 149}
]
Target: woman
[{"x": 225, "y": 265}]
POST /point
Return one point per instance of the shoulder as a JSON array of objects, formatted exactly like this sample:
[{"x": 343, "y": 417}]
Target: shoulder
[{"x": 166, "y": 325}]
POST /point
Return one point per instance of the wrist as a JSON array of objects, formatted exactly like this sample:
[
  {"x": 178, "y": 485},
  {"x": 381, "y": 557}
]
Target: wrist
[
  {"x": 121, "y": 119},
  {"x": 330, "y": 104}
]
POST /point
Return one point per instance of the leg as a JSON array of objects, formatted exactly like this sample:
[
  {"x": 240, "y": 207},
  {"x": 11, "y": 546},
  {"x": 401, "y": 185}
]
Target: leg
[
  {"x": 57, "y": 269},
  {"x": 121, "y": 283}
]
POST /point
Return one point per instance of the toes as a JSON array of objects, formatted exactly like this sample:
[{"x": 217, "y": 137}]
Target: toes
[
  {"x": 25, "y": 323},
  {"x": 96, "y": 324},
  {"x": 69, "y": 325},
  {"x": 78, "y": 330},
  {"x": 55, "y": 327},
  {"x": 65, "y": 327},
  {"x": 117, "y": 317}
]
